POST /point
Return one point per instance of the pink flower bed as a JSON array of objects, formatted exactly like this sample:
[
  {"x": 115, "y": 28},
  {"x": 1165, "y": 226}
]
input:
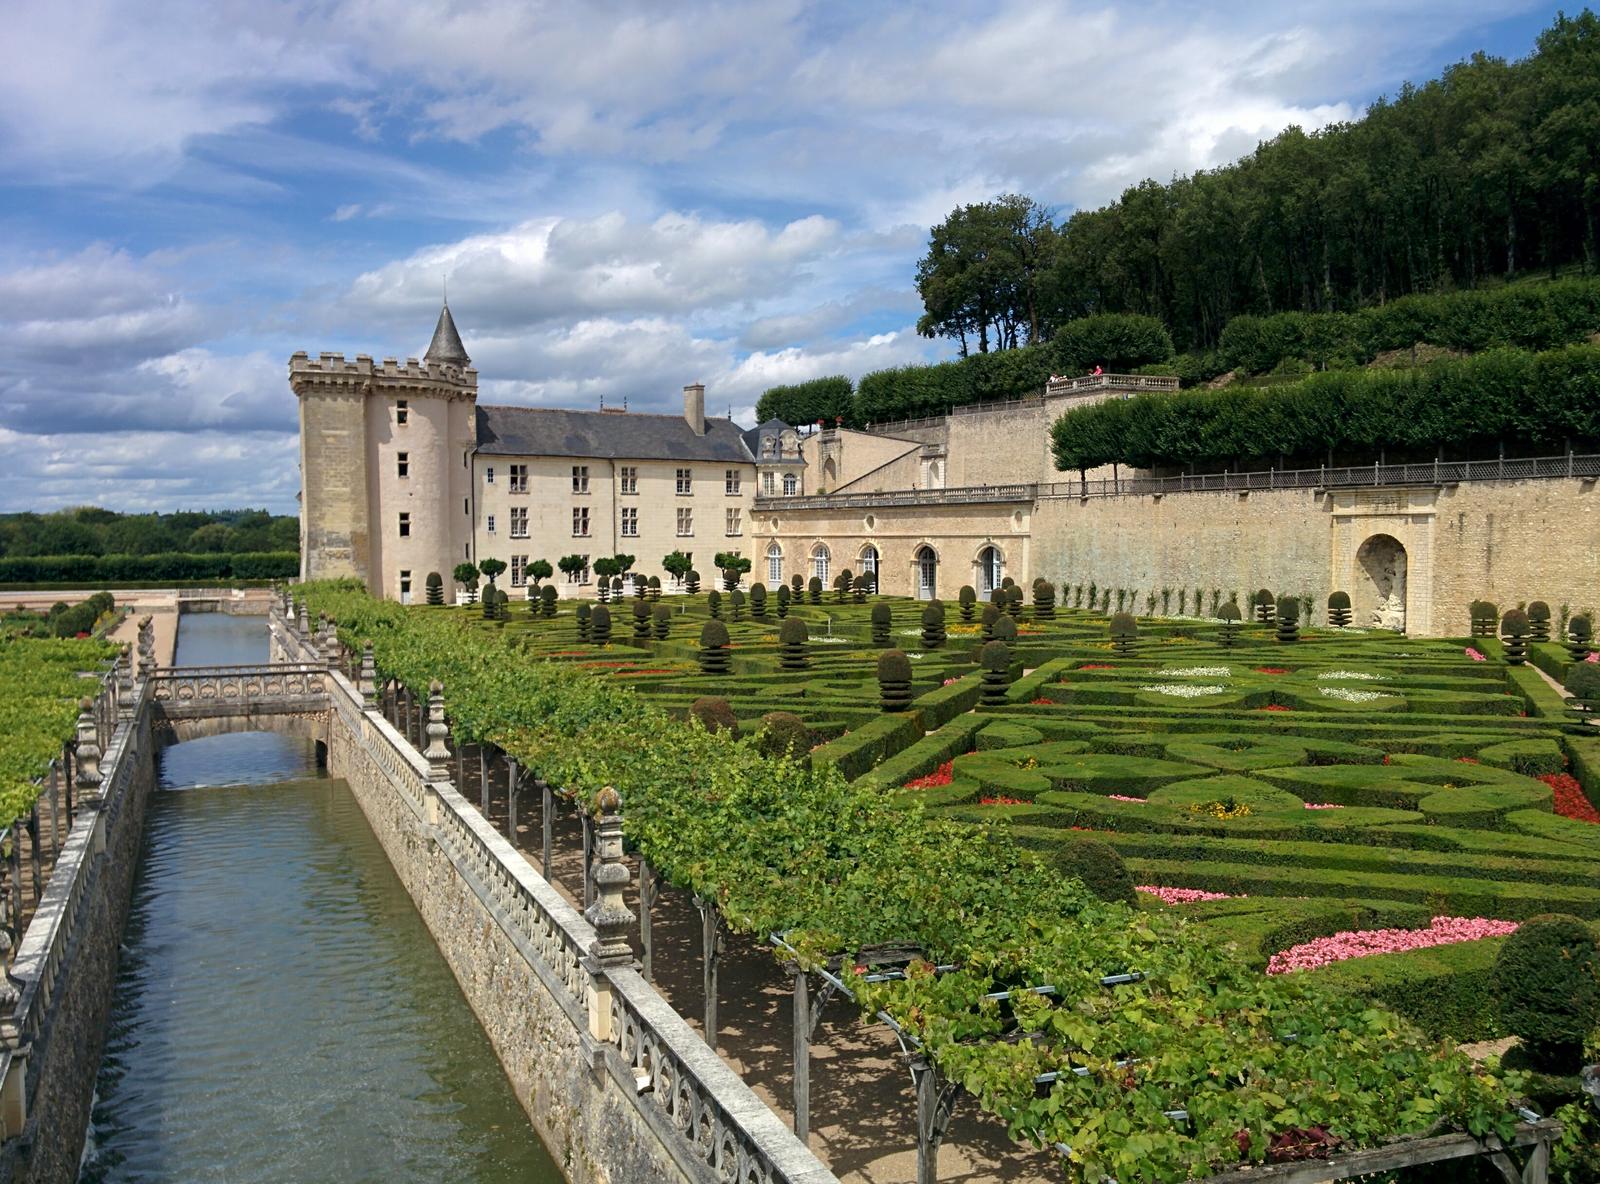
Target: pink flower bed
[
  {"x": 1322, "y": 805},
  {"x": 1360, "y": 943},
  {"x": 1474, "y": 654},
  {"x": 1122, "y": 797},
  {"x": 1182, "y": 895}
]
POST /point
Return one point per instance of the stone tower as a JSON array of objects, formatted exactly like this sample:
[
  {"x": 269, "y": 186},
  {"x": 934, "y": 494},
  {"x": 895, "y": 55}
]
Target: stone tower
[{"x": 385, "y": 464}]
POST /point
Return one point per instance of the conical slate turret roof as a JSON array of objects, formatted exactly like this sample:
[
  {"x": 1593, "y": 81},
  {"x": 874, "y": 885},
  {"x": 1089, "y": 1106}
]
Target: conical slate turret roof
[{"x": 446, "y": 344}]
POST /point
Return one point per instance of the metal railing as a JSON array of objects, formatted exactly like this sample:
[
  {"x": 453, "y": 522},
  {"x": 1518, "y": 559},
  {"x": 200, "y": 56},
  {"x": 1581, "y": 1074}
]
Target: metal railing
[{"x": 968, "y": 495}]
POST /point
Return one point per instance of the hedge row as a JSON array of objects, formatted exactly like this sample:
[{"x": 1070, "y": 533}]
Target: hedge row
[
  {"x": 1536, "y": 316},
  {"x": 1530, "y": 401},
  {"x": 171, "y": 565}
]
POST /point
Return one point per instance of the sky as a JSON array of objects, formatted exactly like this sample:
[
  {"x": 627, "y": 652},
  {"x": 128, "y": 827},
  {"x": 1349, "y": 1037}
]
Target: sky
[{"x": 621, "y": 198}]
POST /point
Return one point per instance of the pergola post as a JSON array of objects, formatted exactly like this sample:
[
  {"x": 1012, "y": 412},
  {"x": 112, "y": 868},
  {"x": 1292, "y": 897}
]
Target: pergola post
[
  {"x": 483, "y": 782},
  {"x": 588, "y": 858},
  {"x": 936, "y": 1098},
  {"x": 511, "y": 800},
  {"x": 647, "y": 900},
  {"x": 802, "y": 1054},
  {"x": 547, "y": 808},
  {"x": 711, "y": 954}
]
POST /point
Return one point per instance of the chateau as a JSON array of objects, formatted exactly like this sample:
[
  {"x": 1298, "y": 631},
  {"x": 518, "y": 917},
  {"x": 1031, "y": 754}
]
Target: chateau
[{"x": 404, "y": 474}]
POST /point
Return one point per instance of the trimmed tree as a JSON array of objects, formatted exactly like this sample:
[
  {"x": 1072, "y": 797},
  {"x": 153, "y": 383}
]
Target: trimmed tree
[
  {"x": 600, "y": 625},
  {"x": 841, "y": 585},
  {"x": 1044, "y": 600},
  {"x": 641, "y": 621},
  {"x": 715, "y": 715},
  {"x": 859, "y": 587},
  {"x": 714, "y": 604},
  {"x": 1124, "y": 632},
  {"x": 1005, "y": 629},
  {"x": 676, "y": 564},
  {"x": 547, "y": 601},
  {"x": 714, "y": 648},
  {"x": 691, "y": 582},
  {"x": 736, "y": 602},
  {"x": 814, "y": 589},
  {"x": 894, "y": 681},
  {"x": 1579, "y": 633},
  {"x": 1583, "y": 681},
  {"x": 661, "y": 616},
  {"x": 1514, "y": 631},
  {"x": 792, "y": 639},
  {"x": 1539, "y": 621},
  {"x": 882, "y": 619},
  {"x": 995, "y": 660},
  {"x": 933, "y": 633},
  {"x": 1288, "y": 631},
  {"x": 466, "y": 574},
  {"x": 604, "y": 569},
  {"x": 758, "y": 601},
  {"x": 991, "y": 616},
  {"x": 1546, "y": 983},
  {"x": 572, "y": 567},
  {"x": 1228, "y": 614},
  {"x": 797, "y": 585},
  {"x": 653, "y": 587},
  {"x": 966, "y": 601},
  {"x": 538, "y": 570},
  {"x": 1339, "y": 609},
  {"x": 1096, "y": 864},
  {"x": 784, "y": 596},
  {"x": 434, "y": 583},
  {"x": 1265, "y": 602},
  {"x": 585, "y": 616},
  {"x": 732, "y": 567},
  {"x": 784, "y": 735}
]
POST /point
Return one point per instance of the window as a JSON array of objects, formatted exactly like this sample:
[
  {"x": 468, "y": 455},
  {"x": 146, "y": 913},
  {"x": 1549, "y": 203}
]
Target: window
[
  {"x": 519, "y": 478},
  {"x": 630, "y": 521},
  {"x": 491, "y": 524},
  {"x": 580, "y": 522},
  {"x": 791, "y": 485},
  {"x": 685, "y": 482},
  {"x": 405, "y": 586},
  {"x": 730, "y": 480},
  {"x": 869, "y": 560},
  {"x": 402, "y": 411},
  {"x": 630, "y": 479},
  {"x": 466, "y": 506},
  {"x": 769, "y": 484},
  {"x": 488, "y": 475},
  {"x": 519, "y": 570},
  {"x": 820, "y": 558},
  {"x": 405, "y": 526},
  {"x": 733, "y": 523},
  {"x": 580, "y": 478},
  {"x": 402, "y": 463},
  {"x": 685, "y": 522},
  {"x": 466, "y": 550},
  {"x": 774, "y": 564},
  {"x": 519, "y": 522},
  {"x": 769, "y": 446},
  {"x": 581, "y": 576}
]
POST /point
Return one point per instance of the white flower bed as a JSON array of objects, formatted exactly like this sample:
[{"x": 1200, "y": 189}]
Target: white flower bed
[
  {"x": 831, "y": 640},
  {"x": 1196, "y": 672},
  {"x": 1353, "y": 696},
  {"x": 1185, "y": 691},
  {"x": 1347, "y": 675}
]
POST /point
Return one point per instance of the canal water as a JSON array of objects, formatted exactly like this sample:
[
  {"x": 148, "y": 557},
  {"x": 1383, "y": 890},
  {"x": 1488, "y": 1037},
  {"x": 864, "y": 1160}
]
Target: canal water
[{"x": 281, "y": 1013}]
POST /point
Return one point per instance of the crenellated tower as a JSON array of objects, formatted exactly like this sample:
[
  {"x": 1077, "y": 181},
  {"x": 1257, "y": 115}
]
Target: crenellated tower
[{"x": 385, "y": 464}]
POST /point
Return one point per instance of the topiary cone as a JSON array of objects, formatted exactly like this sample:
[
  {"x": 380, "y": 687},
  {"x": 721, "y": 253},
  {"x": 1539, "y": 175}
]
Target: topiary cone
[
  {"x": 714, "y": 648},
  {"x": 1339, "y": 609},
  {"x": 641, "y": 621},
  {"x": 661, "y": 617},
  {"x": 894, "y": 681},
  {"x": 792, "y": 639},
  {"x": 882, "y": 620},
  {"x": 1539, "y": 621},
  {"x": 967, "y": 600},
  {"x": 600, "y": 625},
  {"x": 1124, "y": 632},
  {"x": 585, "y": 614},
  {"x": 933, "y": 632},
  {"x": 1229, "y": 615},
  {"x": 995, "y": 660},
  {"x": 1514, "y": 631},
  {"x": 1044, "y": 600},
  {"x": 1288, "y": 630}
]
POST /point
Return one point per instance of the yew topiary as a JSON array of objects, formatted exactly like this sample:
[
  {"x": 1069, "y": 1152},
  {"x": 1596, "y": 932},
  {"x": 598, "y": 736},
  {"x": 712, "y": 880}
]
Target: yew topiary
[
  {"x": 784, "y": 734},
  {"x": 714, "y": 604},
  {"x": 435, "y": 588},
  {"x": 547, "y": 601},
  {"x": 736, "y": 601},
  {"x": 653, "y": 584},
  {"x": 1583, "y": 681},
  {"x": 1339, "y": 609},
  {"x": 1579, "y": 633},
  {"x": 797, "y": 584},
  {"x": 1124, "y": 632},
  {"x": 1546, "y": 983},
  {"x": 995, "y": 661},
  {"x": 691, "y": 582},
  {"x": 1484, "y": 616},
  {"x": 894, "y": 681},
  {"x": 1044, "y": 600},
  {"x": 714, "y": 648},
  {"x": 1288, "y": 630},
  {"x": 1005, "y": 629},
  {"x": 758, "y": 601},
  {"x": 1539, "y": 621},
  {"x": 991, "y": 616},
  {"x": 661, "y": 617},
  {"x": 1265, "y": 602},
  {"x": 1514, "y": 631},
  {"x": 1097, "y": 865},
  {"x": 1014, "y": 600},
  {"x": 792, "y": 639},
  {"x": 967, "y": 599},
  {"x": 715, "y": 715},
  {"x": 933, "y": 634},
  {"x": 600, "y": 625},
  {"x": 841, "y": 585},
  {"x": 784, "y": 597},
  {"x": 882, "y": 620},
  {"x": 814, "y": 589},
  {"x": 585, "y": 613},
  {"x": 641, "y": 621},
  {"x": 859, "y": 587}
]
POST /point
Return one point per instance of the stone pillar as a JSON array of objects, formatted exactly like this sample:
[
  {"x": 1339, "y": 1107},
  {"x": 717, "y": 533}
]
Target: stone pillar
[
  {"x": 608, "y": 914},
  {"x": 125, "y": 690},
  {"x": 89, "y": 781},
  {"x": 367, "y": 678},
  {"x": 437, "y": 754},
  {"x": 330, "y": 642}
]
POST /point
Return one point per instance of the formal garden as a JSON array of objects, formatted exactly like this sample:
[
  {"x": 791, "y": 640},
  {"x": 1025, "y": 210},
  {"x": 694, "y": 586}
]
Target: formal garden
[{"x": 1155, "y": 872}]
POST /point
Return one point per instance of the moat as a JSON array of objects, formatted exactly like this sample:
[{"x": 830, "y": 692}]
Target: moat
[{"x": 280, "y": 1011}]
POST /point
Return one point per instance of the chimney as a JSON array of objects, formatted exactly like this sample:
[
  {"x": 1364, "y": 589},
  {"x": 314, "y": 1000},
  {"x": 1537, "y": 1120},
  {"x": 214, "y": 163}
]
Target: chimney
[{"x": 694, "y": 407}]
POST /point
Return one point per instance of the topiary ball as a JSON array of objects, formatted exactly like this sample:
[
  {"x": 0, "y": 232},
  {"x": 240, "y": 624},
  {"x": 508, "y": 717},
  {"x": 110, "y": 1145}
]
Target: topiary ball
[
  {"x": 793, "y": 631},
  {"x": 881, "y": 614},
  {"x": 1228, "y": 611},
  {"x": 714, "y": 715},
  {"x": 894, "y": 666},
  {"x": 1288, "y": 608},
  {"x": 967, "y": 595},
  {"x": 995, "y": 656},
  {"x": 933, "y": 614},
  {"x": 1097, "y": 865},
  {"x": 1339, "y": 600},
  {"x": 713, "y": 634},
  {"x": 1005, "y": 629},
  {"x": 784, "y": 734},
  {"x": 1546, "y": 983},
  {"x": 1514, "y": 623},
  {"x": 1583, "y": 680}
]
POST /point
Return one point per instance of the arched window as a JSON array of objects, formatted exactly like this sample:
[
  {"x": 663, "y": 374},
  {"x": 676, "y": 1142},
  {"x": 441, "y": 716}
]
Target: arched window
[
  {"x": 774, "y": 564},
  {"x": 869, "y": 562},
  {"x": 820, "y": 559},
  {"x": 791, "y": 485},
  {"x": 989, "y": 565},
  {"x": 927, "y": 573}
]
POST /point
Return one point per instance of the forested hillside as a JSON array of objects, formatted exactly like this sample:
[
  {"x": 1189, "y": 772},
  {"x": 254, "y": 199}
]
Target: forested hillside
[{"x": 89, "y": 530}]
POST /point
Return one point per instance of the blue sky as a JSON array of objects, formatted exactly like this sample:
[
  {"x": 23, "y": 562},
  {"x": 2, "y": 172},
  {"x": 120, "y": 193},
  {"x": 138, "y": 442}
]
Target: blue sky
[{"x": 623, "y": 197}]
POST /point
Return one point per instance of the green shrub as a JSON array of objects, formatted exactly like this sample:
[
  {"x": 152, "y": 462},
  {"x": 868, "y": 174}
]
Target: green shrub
[
  {"x": 1097, "y": 865},
  {"x": 995, "y": 661},
  {"x": 714, "y": 604},
  {"x": 661, "y": 616},
  {"x": 894, "y": 680},
  {"x": 435, "y": 588},
  {"x": 1339, "y": 609},
  {"x": 1547, "y": 987},
  {"x": 600, "y": 624},
  {"x": 814, "y": 590},
  {"x": 966, "y": 599},
  {"x": 882, "y": 620},
  {"x": 1514, "y": 629},
  {"x": 801, "y": 403},
  {"x": 1288, "y": 630},
  {"x": 792, "y": 638},
  {"x": 933, "y": 631},
  {"x": 1117, "y": 342},
  {"x": 1005, "y": 629},
  {"x": 784, "y": 734},
  {"x": 714, "y": 648},
  {"x": 547, "y": 601},
  {"x": 1124, "y": 631},
  {"x": 758, "y": 601},
  {"x": 1044, "y": 600},
  {"x": 1583, "y": 680},
  {"x": 715, "y": 715},
  {"x": 585, "y": 616},
  {"x": 1579, "y": 632},
  {"x": 1539, "y": 620}
]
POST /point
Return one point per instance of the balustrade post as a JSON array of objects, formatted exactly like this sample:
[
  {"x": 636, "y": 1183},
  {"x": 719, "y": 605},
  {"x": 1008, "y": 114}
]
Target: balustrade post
[
  {"x": 483, "y": 782},
  {"x": 125, "y": 682},
  {"x": 437, "y": 753},
  {"x": 367, "y": 679},
  {"x": 89, "y": 778},
  {"x": 609, "y": 915},
  {"x": 33, "y": 851},
  {"x": 330, "y": 643},
  {"x": 147, "y": 649}
]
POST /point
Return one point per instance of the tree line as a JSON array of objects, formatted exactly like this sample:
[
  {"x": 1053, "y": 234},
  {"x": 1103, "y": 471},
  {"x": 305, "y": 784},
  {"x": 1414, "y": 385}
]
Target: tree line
[{"x": 92, "y": 531}]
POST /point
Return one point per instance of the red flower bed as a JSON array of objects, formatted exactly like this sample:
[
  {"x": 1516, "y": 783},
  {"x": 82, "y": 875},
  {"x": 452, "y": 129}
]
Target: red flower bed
[
  {"x": 940, "y": 776},
  {"x": 1097, "y": 666},
  {"x": 1042, "y": 702},
  {"x": 1570, "y": 802},
  {"x": 1274, "y": 707},
  {"x": 1468, "y": 760},
  {"x": 1272, "y": 670},
  {"x": 1002, "y": 801}
]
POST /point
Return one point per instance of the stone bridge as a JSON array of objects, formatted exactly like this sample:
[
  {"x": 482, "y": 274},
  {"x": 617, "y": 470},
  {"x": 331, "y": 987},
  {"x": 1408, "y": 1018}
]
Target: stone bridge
[{"x": 190, "y": 702}]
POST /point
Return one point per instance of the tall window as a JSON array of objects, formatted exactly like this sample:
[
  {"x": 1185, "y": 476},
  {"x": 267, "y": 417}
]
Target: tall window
[
  {"x": 405, "y": 585},
  {"x": 774, "y": 564},
  {"x": 402, "y": 411},
  {"x": 630, "y": 521},
  {"x": 730, "y": 481},
  {"x": 489, "y": 524},
  {"x": 769, "y": 484},
  {"x": 581, "y": 576},
  {"x": 405, "y": 526},
  {"x": 519, "y": 478},
  {"x": 685, "y": 522},
  {"x": 820, "y": 560},
  {"x": 580, "y": 522},
  {"x": 488, "y": 475},
  {"x": 630, "y": 479},
  {"x": 580, "y": 478},
  {"x": 402, "y": 464},
  {"x": 519, "y": 522},
  {"x": 519, "y": 570},
  {"x": 685, "y": 481},
  {"x": 869, "y": 561},
  {"x": 733, "y": 523},
  {"x": 791, "y": 485}
]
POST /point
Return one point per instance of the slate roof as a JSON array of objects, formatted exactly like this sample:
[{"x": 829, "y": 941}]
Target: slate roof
[
  {"x": 446, "y": 344},
  {"x": 773, "y": 427},
  {"x": 549, "y": 431}
]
